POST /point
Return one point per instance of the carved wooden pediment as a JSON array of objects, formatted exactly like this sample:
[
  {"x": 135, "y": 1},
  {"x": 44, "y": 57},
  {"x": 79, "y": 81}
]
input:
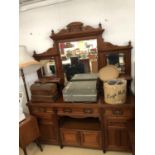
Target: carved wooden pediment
[
  {"x": 107, "y": 46},
  {"x": 76, "y": 29},
  {"x": 45, "y": 55}
]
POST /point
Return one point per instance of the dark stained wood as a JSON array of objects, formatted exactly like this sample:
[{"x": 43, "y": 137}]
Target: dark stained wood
[
  {"x": 83, "y": 132},
  {"x": 28, "y": 132},
  {"x": 50, "y": 53},
  {"x": 81, "y": 124},
  {"x": 131, "y": 134},
  {"x": 109, "y": 131},
  {"x": 48, "y": 130},
  {"x": 91, "y": 139},
  {"x": 117, "y": 139},
  {"x": 114, "y": 118},
  {"x": 48, "y": 125},
  {"x": 70, "y": 137},
  {"x": 76, "y": 30}
]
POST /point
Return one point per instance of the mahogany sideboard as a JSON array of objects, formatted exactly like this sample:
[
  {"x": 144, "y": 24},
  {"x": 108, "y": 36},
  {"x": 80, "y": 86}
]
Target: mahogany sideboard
[{"x": 93, "y": 125}]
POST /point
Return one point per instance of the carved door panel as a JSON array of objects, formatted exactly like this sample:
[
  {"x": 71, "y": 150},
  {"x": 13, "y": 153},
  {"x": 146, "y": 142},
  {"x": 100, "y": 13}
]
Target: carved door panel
[
  {"x": 70, "y": 137},
  {"x": 117, "y": 138},
  {"x": 91, "y": 139},
  {"x": 48, "y": 130}
]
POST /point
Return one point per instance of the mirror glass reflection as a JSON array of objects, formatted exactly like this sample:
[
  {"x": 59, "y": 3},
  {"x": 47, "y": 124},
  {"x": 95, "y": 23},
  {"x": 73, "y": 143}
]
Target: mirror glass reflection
[
  {"x": 49, "y": 68},
  {"x": 117, "y": 60},
  {"x": 79, "y": 57}
]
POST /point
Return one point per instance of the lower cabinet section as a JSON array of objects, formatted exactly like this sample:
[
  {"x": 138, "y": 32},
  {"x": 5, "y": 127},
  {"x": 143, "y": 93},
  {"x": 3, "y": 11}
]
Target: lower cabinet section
[
  {"x": 117, "y": 139},
  {"x": 69, "y": 137},
  {"x": 84, "y": 132},
  {"x": 91, "y": 139},
  {"x": 116, "y": 135},
  {"x": 48, "y": 131}
]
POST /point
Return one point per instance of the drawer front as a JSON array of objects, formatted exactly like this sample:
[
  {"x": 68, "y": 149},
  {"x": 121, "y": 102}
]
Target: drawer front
[
  {"x": 119, "y": 112},
  {"x": 41, "y": 110},
  {"x": 121, "y": 123},
  {"x": 48, "y": 130},
  {"x": 78, "y": 111}
]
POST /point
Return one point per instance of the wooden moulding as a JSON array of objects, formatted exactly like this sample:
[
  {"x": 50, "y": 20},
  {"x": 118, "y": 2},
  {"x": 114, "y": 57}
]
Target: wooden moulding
[
  {"x": 51, "y": 52},
  {"x": 75, "y": 30}
]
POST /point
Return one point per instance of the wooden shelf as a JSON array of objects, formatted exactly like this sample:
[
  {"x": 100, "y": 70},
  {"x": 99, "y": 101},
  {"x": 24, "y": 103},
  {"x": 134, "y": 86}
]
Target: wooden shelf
[{"x": 80, "y": 124}]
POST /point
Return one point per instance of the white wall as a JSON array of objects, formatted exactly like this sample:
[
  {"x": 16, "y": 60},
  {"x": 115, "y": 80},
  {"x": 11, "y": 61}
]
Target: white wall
[{"x": 116, "y": 16}]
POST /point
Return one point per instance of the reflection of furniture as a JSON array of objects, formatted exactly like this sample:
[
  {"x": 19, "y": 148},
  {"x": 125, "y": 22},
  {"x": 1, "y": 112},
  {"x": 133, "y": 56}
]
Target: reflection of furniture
[
  {"x": 28, "y": 132},
  {"x": 86, "y": 65},
  {"x": 75, "y": 68},
  {"x": 94, "y": 125}
]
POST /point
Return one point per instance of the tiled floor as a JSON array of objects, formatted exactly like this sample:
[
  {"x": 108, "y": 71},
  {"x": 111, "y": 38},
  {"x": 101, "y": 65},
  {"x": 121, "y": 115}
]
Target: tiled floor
[{"x": 32, "y": 149}]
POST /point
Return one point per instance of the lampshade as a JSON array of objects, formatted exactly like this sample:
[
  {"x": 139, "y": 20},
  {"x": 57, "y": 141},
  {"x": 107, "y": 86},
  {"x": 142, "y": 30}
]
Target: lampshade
[
  {"x": 24, "y": 58},
  {"x": 27, "y": 62}
]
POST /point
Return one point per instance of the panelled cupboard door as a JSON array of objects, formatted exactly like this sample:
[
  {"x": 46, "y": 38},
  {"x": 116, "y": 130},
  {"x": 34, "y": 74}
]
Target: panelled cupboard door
[
  {"x": 48, "y": 130},
  {"x": 70, "y": 137},
  {"x": 91, "y": 139},
  {"x": 117, "y": 139}
]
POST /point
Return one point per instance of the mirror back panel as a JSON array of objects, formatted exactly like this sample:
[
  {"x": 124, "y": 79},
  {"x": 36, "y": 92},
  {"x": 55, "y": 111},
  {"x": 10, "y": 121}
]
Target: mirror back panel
[{"x": 83, "y": 45}]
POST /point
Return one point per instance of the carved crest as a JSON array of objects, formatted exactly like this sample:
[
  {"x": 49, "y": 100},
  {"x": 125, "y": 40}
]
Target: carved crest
[
  {"x": 45, "y": 55},
  {"x": 107, "y": 46},
  {"x": 76, "y": 29}
]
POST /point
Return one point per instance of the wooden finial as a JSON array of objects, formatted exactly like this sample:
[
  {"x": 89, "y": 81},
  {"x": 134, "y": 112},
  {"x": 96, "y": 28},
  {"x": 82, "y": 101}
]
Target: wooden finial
[
  {"x": 129, "y": 43},
  {"x": 52, "y": 32},
  {"x": 34, "y": 52},
  {"x": 100, "y": 25}
]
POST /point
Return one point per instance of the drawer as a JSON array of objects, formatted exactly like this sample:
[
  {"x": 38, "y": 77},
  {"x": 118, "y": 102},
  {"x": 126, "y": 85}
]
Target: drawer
[
  {"x": 118, "y": 112},
  {"x": 78, "y": 111},
  {"x": 48, "y": 120},
  {"x": 38, "y": 110},
  {"x": 116, "y": 123}
]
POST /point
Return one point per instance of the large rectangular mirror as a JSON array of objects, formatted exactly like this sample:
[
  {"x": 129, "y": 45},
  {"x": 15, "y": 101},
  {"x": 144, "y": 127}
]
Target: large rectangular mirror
[{"x": 79, "y": 57}]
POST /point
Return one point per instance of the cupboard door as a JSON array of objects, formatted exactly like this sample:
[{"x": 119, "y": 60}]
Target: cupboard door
[
  {"x": 117, "y": 139},
  {"x": 91, "y": 139},
  {"x": 48, "y": 130},
  {"x": 70, "y": 137}
]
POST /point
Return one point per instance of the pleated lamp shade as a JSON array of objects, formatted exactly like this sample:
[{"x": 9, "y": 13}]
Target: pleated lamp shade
[{"x": 24, "y": 58}]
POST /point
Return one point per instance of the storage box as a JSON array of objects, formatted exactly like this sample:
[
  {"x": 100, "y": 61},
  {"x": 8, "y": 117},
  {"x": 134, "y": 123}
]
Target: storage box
[
  {"x": 46, "y": 92},
  {"x": 85, "y": 77},
  {"x": 80, "y": 91},
  {"x": 115, "y": 91}
]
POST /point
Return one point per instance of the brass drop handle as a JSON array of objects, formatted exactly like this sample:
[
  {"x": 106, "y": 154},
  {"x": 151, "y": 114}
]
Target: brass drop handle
[
  {"x": 67, "y": 110},
  {"x": 88, "y": 111}
]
